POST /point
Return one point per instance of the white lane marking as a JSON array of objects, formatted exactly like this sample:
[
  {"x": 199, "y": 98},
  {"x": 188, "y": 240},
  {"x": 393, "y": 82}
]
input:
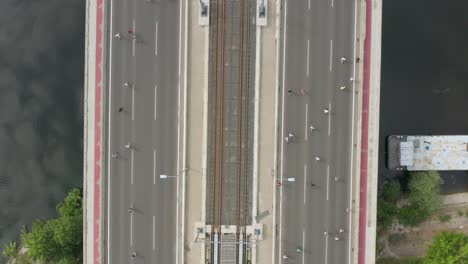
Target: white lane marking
[
  {"x": 306, "y": 120},
  {"x": 131, "y": 229},
  {"x": 305, "y": 182},
  {"x": 154, "y": 166},
  {"x": 184, "y": 133},
  {"x": 134, "y": 39},
  {"x": 155, "y": 101},
  {"x": 303, "y": 247},
  {"x": 352, "y": 138},
  {"x": 309, "y": 4},
  {"x": 133, "y": 103},
  {"x": 308, "y": 46},
  {"x": 156, "y": 40},
  {"x": 277, "y": 144},
  {"x": 280, "y": 249},
  {"x": 329, "y": 119},
  {"x": 326, "y": 249},
  {"x": 131, "y": 166},
  {"x": 328, "y": 180},
  {"x": 331, "y": 54},
  {"x": 178, "y": 135},
  {"x": 332, "y": 3},
  {"x": 109, "y": 135},
  {"x": 154, "y": 232},
  {"x": 180, "y": 47}
]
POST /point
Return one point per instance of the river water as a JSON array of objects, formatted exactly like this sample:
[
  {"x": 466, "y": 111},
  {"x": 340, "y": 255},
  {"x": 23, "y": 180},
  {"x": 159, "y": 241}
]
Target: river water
[
  {"x": 41, "y": 108},
  {"x": 424, "y": 86}
]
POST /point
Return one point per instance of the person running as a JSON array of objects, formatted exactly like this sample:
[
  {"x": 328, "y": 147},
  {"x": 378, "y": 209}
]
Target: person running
[{"x": 120, "y": 109}]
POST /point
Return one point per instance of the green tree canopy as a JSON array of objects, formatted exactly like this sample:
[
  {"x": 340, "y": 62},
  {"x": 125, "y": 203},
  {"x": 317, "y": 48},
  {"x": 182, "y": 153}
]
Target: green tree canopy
[
  {"x": 391, "y": 191},
  {"x": 56, "y": 241},
  {"x": 11, "y": 250},
  {"x": 386, "y": 203},
  {"x": 448, "y": 248},
  {"x": 424, "y": 190},
  {"x": 40, "y": 241},
  {"x": 68, "y": 228}
]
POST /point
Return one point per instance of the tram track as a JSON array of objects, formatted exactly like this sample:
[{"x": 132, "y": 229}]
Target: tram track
[{"x": 229, "y": 173}]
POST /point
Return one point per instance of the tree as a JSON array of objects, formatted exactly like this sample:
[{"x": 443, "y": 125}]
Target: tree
[
  {"x": 72, "y": 205},
  {"x": 424, "y": 190},
  {"x": 57, "y": 240},
  {"x": 423, "y": 197},
  {"x": 448, "y": 248},
  {"x": 391, "y": 191},
  {"x": 11, "y": 250},
  {"x": 386, "y": 203},
  {"x": 40, "y": 241},
  {"x": 68, "y": 228}
]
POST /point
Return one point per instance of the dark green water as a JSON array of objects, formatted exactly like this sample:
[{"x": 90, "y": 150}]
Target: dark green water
[
  {"x": 424, "y": 87},
  {"x": 41, "y": 108}
]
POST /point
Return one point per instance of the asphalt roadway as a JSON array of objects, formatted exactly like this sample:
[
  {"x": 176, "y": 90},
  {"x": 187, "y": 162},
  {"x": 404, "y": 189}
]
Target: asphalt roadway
[
  {"x": 317, "y": 34},
  {"x": 145, "y": 55}
]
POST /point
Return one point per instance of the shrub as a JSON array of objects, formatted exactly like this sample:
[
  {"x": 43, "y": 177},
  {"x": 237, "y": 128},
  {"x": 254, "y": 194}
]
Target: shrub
[
  {"x": 386, "y": 203},
  {"x": 386, "y": 212},
  {"x": 378, "y": 247},
  {"x": 445, "y": 218},
  {"x": 407, "y": 260},
  {"x": 391, "y": 191},
  {"x": 412, "y": 215},
  {"x": 396, "y": 238}
]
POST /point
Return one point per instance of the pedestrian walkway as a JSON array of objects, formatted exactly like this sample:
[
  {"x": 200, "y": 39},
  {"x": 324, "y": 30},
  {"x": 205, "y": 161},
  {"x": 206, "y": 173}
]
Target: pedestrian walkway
[
  {"x": 197, "y": 99},
  {"x": 371, "y": 21},
  {"x": 93, "y": 215},
  {"x": 266, "y": 139}
]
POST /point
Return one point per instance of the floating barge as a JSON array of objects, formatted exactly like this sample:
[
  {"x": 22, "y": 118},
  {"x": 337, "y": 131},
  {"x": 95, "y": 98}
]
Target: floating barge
[{"x": 424, "y": 153}]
